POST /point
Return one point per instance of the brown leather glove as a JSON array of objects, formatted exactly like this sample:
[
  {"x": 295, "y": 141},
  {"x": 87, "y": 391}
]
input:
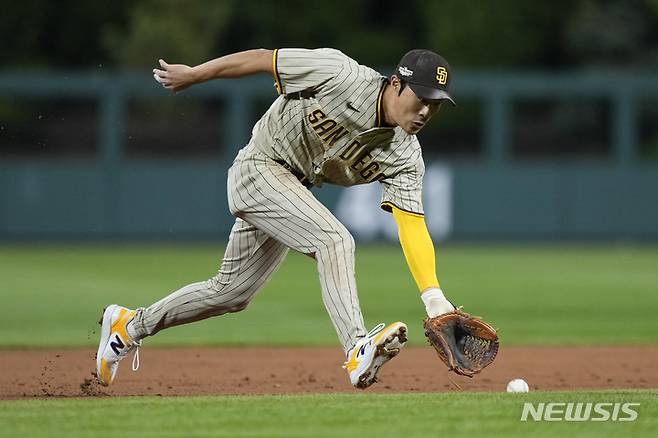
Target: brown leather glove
[{"x": 464, "y": 342}]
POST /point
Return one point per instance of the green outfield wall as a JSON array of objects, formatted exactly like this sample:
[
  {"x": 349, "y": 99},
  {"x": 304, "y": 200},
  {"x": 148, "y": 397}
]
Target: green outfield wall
[{"x": 494, "y": 193}]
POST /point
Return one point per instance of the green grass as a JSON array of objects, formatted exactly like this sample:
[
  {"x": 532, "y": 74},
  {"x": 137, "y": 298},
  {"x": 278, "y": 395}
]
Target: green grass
[
  {"x": 334, "y": 415},
  {"x": 52, "y": 295}
]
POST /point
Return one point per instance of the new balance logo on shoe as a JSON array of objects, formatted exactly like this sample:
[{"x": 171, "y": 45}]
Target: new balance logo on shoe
[{"x": 116, "y": 345}]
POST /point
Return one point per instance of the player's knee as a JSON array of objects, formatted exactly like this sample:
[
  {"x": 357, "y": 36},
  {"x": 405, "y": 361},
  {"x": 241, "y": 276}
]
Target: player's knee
[
  {"x": 235, "y": 211},
  {"x": 221, "y": 285},
  {"x": 340, "y": 241},
  {"x": 238, "y": 305},
  {"x": 233, "y": 206}
]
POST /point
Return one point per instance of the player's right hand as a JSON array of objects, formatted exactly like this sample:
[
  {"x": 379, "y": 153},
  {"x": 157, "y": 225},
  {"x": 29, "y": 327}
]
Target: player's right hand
[{"x": 174, "y": 77}]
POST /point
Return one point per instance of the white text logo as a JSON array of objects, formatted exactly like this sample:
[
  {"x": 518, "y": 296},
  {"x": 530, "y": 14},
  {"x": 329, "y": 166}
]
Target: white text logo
[
  {"x": 404, "y": 71},
  {"x": 579, "y": 411}
]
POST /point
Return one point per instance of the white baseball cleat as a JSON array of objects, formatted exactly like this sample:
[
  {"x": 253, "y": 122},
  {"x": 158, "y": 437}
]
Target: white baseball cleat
[
  {"x": 115, "y": 343},
  {"x": 371, "y": 352}
]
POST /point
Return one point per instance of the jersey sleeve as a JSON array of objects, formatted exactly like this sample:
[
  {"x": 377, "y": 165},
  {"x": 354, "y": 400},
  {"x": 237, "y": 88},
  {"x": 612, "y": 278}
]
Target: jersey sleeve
[
  {"x": 405, "y": 189},
  {"x": 300, "y": 69}
]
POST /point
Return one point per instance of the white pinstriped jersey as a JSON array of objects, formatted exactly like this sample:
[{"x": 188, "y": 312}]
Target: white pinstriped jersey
[{"x": 327, "y": 123}]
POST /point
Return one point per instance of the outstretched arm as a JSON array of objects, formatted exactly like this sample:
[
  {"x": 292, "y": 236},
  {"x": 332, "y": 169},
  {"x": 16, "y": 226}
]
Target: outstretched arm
[
  {"x": 419, "y": 251},
  {"x": 177, "y": 77}
]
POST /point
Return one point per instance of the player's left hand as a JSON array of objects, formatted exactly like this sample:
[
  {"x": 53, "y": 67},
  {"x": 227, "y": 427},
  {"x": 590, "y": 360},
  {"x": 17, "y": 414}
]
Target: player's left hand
[
  {"x": 464, "y": 342},
  {"x": 174, "y": 77}
]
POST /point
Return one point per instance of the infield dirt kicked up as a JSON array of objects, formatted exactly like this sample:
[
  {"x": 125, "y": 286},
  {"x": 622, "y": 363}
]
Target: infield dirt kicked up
[{"x": 210, "y": 371}]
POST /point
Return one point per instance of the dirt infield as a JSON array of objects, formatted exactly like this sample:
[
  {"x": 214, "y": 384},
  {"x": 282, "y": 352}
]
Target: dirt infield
[{"x": 204, "y": 371}]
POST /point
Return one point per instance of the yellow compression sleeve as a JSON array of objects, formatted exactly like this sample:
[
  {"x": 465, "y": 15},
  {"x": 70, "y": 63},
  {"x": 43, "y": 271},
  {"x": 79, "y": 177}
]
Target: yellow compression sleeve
[{"x": 417, "y": 247}]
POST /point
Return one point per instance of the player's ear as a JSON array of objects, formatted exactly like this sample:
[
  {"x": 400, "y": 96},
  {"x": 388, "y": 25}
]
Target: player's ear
[{"x": 397, "y": 83}]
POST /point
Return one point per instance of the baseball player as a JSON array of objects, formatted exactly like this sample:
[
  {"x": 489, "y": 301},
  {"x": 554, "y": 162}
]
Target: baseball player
[{"x": 337, "y": 122}]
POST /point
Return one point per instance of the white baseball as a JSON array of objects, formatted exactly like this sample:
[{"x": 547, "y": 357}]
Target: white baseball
[{"x": 517, "y": 385}]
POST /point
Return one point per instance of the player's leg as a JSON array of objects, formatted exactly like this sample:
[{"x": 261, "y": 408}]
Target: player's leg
[
  {"x": 272, "y": 199},
  {"x": 250, "y": 259}
]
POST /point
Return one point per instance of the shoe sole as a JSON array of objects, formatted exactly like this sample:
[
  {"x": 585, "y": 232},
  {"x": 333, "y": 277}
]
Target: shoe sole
[
  {"x": 106, "y": 324},
  {"x": 385, "y": 352}
]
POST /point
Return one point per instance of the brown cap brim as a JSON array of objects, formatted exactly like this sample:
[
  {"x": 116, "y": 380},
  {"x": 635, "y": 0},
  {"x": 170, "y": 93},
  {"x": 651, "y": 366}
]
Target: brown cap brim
[{"x": 430, "y": 93}]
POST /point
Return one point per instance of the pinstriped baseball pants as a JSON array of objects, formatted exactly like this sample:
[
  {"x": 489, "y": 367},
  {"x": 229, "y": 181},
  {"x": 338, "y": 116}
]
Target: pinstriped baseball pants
[{"x": 274, "y": 212}]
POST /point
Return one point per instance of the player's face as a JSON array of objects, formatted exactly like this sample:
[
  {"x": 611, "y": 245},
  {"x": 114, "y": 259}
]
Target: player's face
[{"x": 413, "y": 113}]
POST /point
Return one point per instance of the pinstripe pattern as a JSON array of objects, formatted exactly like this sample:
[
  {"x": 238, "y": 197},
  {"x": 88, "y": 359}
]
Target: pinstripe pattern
[
  {"x": 250, "y": 259},
  {"x": 326, "y": 80},
  {"x": 269, "y": 197},
  {"x": 326, "y": 126},
  {"x": 267, "y": 201}
]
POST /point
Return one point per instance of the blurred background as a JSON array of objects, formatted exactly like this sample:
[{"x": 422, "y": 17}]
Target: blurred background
[{"x": 555, "y": 137}]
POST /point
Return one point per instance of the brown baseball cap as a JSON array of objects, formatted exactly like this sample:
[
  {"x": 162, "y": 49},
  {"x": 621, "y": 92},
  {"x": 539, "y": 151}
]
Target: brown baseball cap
[{"x": 427, "y": 74}]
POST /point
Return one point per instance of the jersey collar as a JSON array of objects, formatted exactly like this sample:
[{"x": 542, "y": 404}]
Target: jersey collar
[{"x": 379, "y": 116}]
